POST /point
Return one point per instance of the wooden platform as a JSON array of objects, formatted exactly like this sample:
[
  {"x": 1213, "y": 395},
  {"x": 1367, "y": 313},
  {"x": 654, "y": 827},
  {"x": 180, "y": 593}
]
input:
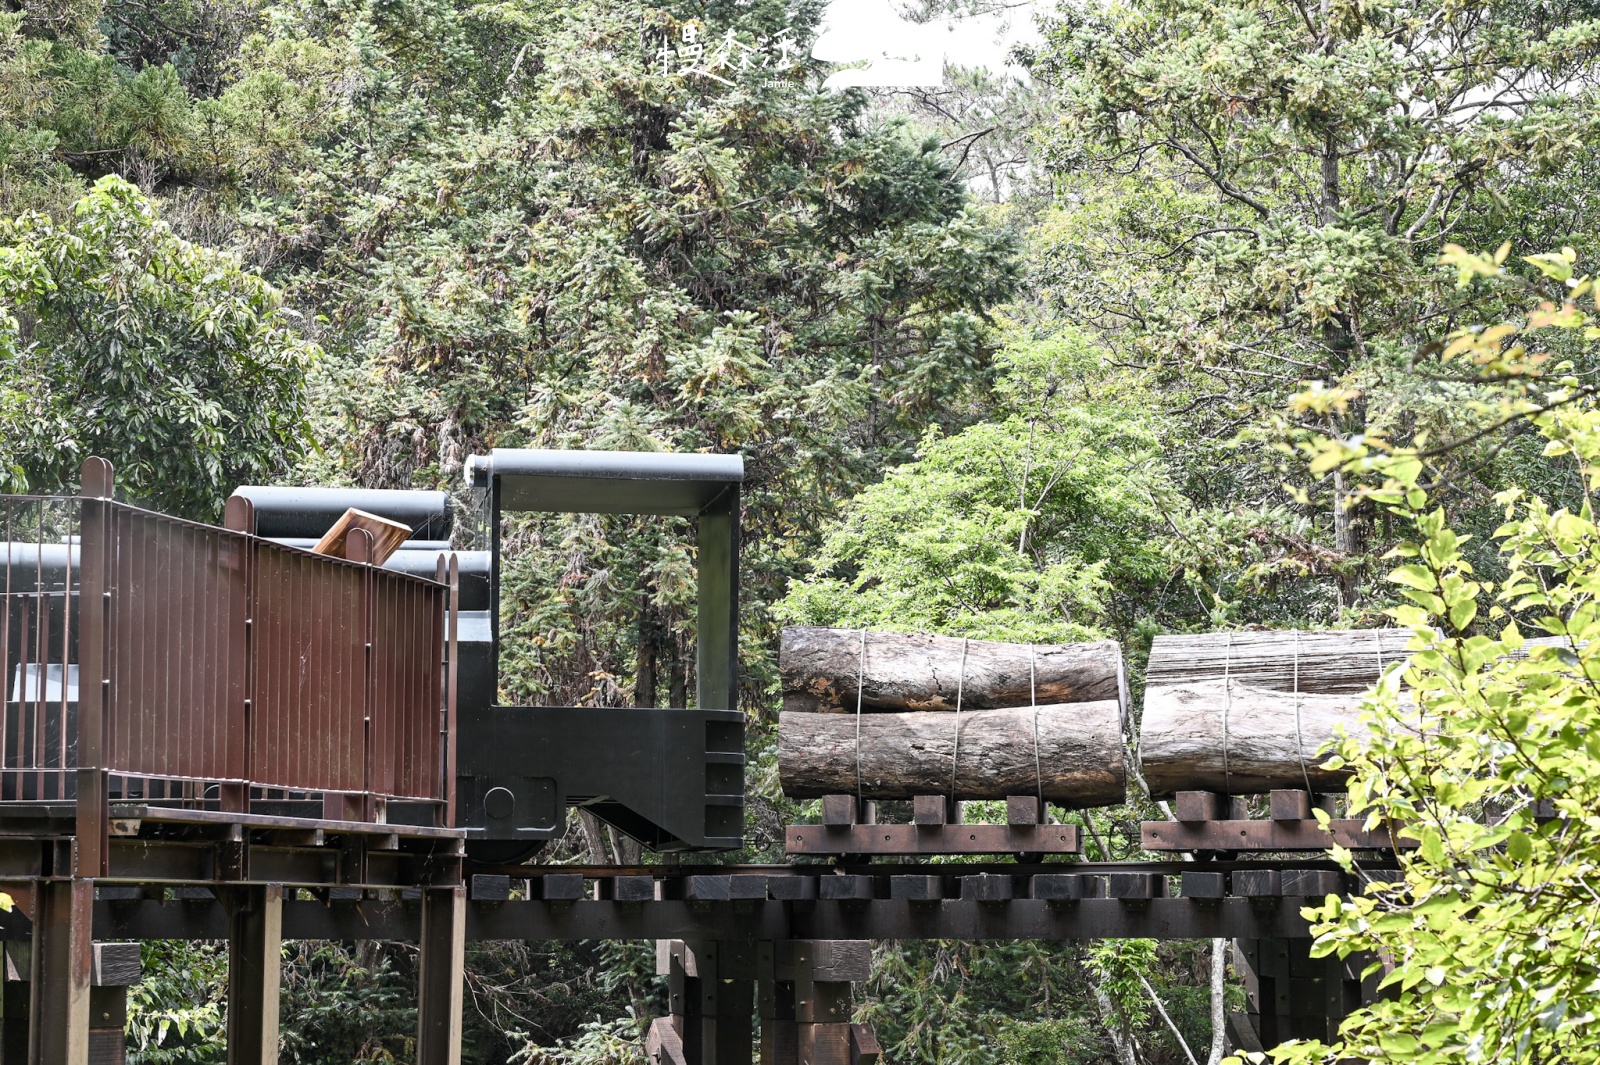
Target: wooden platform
[{"x": 1208, "y": 821}]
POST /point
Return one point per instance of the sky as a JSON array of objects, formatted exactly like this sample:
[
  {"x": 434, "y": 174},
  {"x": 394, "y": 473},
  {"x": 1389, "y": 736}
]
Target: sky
[{"x": 901, "y": 54}]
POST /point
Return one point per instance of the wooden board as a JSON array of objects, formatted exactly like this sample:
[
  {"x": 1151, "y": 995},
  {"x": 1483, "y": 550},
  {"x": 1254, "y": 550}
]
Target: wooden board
[
  {"x": 1261, "y": 835},
  {"x": 387, "y": 536}
]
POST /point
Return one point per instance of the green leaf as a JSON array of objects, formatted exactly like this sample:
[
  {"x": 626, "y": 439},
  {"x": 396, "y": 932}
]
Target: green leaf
[{"x": 1414, "y": 576}]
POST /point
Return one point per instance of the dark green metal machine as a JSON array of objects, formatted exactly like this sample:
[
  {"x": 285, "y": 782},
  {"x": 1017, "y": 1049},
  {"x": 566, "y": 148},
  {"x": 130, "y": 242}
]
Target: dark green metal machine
[{"x": 672, "y": 778}]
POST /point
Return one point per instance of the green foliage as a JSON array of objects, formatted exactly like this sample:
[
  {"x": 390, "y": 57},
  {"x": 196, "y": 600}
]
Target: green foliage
[
  {"x": 1117, "y": 965},
  {"x": 1252, "y": 196},
  {"x": 1062, "y": 1042},
  {"x": 175, "y": 1011},
  {"x": 1335, "y": 140},
  {"x": 349, "y": 1004},
  {"x": 601, "y": 1042},
  {"x": 1486, "y": 945},
  {"x": 946, "y": 1003},
  {"x": 120, "y": 339},
  {"x": 1021, "y": 527}
]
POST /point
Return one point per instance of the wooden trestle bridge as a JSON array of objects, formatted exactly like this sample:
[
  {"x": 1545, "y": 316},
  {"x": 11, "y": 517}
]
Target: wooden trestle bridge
[{"x": 210, "y": 735}]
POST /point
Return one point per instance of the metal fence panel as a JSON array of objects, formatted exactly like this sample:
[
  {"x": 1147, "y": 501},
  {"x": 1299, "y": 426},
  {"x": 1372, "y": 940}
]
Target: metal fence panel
[{"x": 212, "y": 660}]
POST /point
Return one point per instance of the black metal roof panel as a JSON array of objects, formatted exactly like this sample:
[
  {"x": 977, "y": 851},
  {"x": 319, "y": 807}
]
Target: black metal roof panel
[
  {"x": 606, "y": 482},
  {"x": 309, "y": 512}
]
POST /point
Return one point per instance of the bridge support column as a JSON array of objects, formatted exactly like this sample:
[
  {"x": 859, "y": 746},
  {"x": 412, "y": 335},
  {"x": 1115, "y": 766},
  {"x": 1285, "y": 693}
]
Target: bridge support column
[
  {"x": 801, "y": 990},
  {"x": 1292, "y": 995},
  {"x": 255, "y": 973},
  {"x": 712, "y": 988},
  {"x": 779, "y": 1035},
  {"x": 61, "y": 968},
  {"x": 439, "y": 980},
  {"x": 112, "y": 968},
  {"x": 822, "y": 999}
]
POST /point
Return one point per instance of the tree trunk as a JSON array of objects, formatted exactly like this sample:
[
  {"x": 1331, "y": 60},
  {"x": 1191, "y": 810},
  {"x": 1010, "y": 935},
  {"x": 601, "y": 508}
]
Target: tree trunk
[
  {"x": 823, "y": 670},
  {"x": 677, "y": 673},
  {"x": 1079, "y": 754},
  {"x": 594, "y": 838},
  {"x": 1219, "y": 1001},
  {"x": 1116, "y": 1027},
  {"x": 1320, "y": 662},
  {"x": 1240, "y": 739},
  {"x": 1177, "y": 1033},
  {"x": 644, "y": 685}
]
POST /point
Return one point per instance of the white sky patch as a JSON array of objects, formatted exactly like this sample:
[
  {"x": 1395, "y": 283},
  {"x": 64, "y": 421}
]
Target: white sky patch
[{"x": 900, "y": 53}]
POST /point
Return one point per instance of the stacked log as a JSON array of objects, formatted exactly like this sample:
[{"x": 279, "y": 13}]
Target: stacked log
[
  {"x": 1326, "y": 662},
  {"x": 1032, "y": 720},
  {"x": 1246, "y": 712},
  {"x": 829, "y": 670}
]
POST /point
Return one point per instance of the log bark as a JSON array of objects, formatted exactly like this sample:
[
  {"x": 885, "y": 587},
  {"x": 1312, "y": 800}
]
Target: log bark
[
  {"x": 1080, "y": 754},
  {"x": 1240, "y": 739},
  {"x": 1322, "y": 662},
  {"x": 823, "y": 668}
]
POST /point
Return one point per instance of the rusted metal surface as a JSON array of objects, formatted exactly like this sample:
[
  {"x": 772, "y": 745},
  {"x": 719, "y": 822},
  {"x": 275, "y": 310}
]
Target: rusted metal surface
[{"x": 148, "y": 658}]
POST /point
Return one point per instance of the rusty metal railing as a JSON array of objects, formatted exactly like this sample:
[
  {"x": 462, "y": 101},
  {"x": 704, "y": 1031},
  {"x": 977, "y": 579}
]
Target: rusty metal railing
[{"x": 153, "y": 659}]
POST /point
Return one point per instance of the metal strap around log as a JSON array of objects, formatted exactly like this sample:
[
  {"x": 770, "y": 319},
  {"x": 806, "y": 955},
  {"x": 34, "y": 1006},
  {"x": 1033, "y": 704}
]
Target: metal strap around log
[
  {"x": 1299, "y": 739},
  {"x": 1033, "y": 700},
  {"x": 955, "y": 749},
  {"x": 1227, "y": 705},
  {"x": 861, "y": 673}
]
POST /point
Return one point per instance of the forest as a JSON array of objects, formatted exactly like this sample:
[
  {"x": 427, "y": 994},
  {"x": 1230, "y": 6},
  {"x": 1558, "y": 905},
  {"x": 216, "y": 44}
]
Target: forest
[{"x": 1192, "y": 315}]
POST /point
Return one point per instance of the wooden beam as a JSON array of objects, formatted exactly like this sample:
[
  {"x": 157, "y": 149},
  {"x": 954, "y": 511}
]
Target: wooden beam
[
  {"x": 663, "y": 1045},
  {"x": 932, "y": 839},
  {"x": 61, "y": 971},
  {"x": 255, "y": 974},
  {"x": 439, "y": 979},
  {"x": 1261, "y": 835}
]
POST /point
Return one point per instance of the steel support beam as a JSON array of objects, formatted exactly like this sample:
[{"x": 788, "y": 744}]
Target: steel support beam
[
  {"x": 732, "y": 920},
  {"x": 62, "y": 966},
  {"x": 255, "y": 971},
  {"x": 1162, "y": 918},
  {"x": 439, "y": 981}
]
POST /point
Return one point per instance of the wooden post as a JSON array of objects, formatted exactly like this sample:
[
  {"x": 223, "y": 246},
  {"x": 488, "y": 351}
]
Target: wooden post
[
  {"x": 62, "y": 965},
  {"x": 95, "y": 531},
  {"x": 241, "y": 517},
  {"x": 775, "y": 1003},
  {"x": 443, "y": 953},
  {"x": 728, "y": 1010},
  {"x": 822, "y": 1011},
  {"x": 255, "y": 970},
  {"x": 684, "y": 1000},
  {"x": 712, "y": 989},
  {"x": 717, "y": 649}
]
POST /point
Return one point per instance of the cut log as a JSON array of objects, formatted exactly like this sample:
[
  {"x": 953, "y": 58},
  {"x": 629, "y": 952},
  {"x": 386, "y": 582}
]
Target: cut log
[
  {"x": 822, "y": 670},
  {"x": 1323, "y": 662},
  {"x": 1240, "y": 739},
  {"x": 902, "y": 755}
]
